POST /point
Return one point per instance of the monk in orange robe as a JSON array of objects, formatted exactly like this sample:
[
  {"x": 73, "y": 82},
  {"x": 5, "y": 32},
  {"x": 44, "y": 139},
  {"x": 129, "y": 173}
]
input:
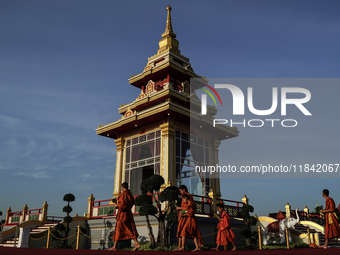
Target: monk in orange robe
[
  {"x": 125, "y": 225},
  {"x": 181, "y": 220},
  {"x": 225, "y": 235},
  {"x": 332, "y": 229},
  {"x": 190, "y": 227}
]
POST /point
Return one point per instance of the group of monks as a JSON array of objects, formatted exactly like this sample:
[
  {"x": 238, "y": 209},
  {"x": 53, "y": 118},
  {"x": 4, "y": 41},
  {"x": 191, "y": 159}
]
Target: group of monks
[
  {"x": 188, "y": 228},
  {"x": 125, "y": 228}
]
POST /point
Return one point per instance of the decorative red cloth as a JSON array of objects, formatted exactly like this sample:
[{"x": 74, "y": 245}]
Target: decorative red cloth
[
  {"x": 332, "y": 228},
  {"x": 125, "y": 225},
  {"x": 224, "y": 235},
  {"x": 280, "y": 216},
  {"x": 274, "y": 227}
]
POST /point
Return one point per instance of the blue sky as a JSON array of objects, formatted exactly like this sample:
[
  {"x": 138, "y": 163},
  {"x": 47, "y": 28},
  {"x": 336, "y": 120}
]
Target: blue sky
[{"x": 64, "y": 69}]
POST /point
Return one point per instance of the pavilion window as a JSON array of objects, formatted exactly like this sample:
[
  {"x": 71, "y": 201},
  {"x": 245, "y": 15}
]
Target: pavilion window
[
  {"x": 192, "y": 151},
  {"x": 142, "y": 158}
]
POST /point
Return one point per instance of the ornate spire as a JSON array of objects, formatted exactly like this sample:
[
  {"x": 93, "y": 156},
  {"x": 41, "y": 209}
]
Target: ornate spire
[
  {"x": 168, "y": 40},
  {"x": 168, "y": 28}
]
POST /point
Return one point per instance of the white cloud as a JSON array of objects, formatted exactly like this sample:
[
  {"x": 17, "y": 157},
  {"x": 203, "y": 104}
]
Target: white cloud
[{"x": 35, "y": 175}]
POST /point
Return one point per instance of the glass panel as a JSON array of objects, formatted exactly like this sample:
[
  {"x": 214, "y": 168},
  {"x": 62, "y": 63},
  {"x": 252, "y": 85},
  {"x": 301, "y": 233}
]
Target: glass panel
[
  {"x": 127, "y": 176},
  {"x": 186, "y": 182},
  {"x": 200, "y": 141},
  {"x": 142, "y": 138},
  {"x": 151, "y": 135},
  {"x": 157, "y": 169},
  {"x": 135, "y": 140},
  {"x": 178, "y": 171},
  {"x": 127, "y": 166},
  {"x": 158, "y": 147},
  {"x": 197, "y": 152},
  {"x": 150, "y": 161},
  {"x": 143, "y": 151},
  {"x": 158, "y": 134},
  {"x": 178, "y": 147},
  {"x": 185, "y": 150},
  {"x": 197, "y": 186},
  {"x": 185, "y": 136},
  {"x": 206, "y": 156},
  {"x": 185, "y": 169},
  {"x": 178, "y": 134},
  {"x": 158, "y": 159},
  {"x": 128, "y": 143},
  {"x": 127, "y": 158},
  {"x": 206, "y": 143},
  {"x": 141, "y": 163},
  {"x": 135, "y": 181}
]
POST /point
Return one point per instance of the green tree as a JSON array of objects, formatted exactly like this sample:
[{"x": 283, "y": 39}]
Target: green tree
[
  {"x": 147, "y": 208},
  {"x": 317, "y": 209},
  {"x": 60, "y": 230},
  {"x": 249, "y": 221},
  {"x": 68, "y": 219},
  {"x": 153, "y": 206}
]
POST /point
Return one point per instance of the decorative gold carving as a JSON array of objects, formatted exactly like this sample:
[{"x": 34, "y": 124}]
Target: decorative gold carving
[
  {"x": 120, "y": 144},
  {"x": 217, "y": 144},
  {"x": 168, "y": 129},
  {"x": 168, "y": 119},
  {"x": 128, "y": 113},
  {"x": 150, "y": 87},
  {"x": 89, "y": 205},
  {"x": 147, "y": 68},
  {"x": 44, "y": 212},
  {"x": 186, "y": 87},
  {"x": 188, "y": 67},
  {"x": 141, "y": 96},
  {"x": 245, "y": 200}
]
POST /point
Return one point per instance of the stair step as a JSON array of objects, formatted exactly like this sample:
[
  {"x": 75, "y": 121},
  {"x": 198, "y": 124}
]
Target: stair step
[
  {"x": 7, "y": 245},
  {"x": 42, "y": 228}
]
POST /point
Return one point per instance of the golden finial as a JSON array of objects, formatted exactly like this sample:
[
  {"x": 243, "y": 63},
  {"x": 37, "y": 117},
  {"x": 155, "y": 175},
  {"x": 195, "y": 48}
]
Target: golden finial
[
  {"x": 168, "y": 27},
  {"x": 168, "y": 40}
]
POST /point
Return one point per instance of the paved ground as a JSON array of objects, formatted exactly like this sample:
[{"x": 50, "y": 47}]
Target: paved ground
[{"x": 38, "y": 251}]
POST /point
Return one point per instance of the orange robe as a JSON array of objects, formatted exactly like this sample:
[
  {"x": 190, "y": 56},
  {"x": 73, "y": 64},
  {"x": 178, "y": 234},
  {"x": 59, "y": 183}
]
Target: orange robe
[
  {"x": 182, "y": 220},
  {"x": 125, "y": 225},
  {"x": 189, "y": 227},
  {"x": 332, "y": 228},
  {"x": 225, "y": 235}
]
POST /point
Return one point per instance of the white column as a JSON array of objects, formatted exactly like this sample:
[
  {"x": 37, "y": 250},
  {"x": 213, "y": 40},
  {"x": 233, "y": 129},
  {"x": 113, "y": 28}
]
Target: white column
[
  {"x": 24, "y": 237},
  {"x": 119, "y": 166},
  {"x": 168, "y": 166}
]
